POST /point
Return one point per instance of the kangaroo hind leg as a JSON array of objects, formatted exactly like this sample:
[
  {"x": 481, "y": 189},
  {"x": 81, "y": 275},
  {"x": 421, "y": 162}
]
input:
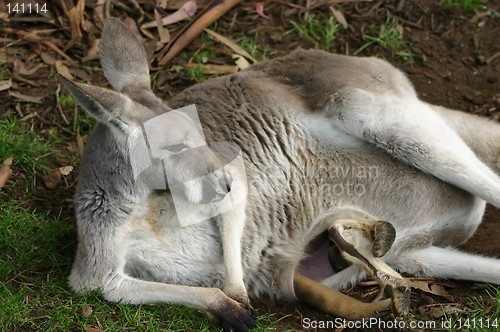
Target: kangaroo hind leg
[
  {"x": 412, "y": 132},
  {"x": 482, "y": 135},
  {"x": 448, "y": 263}
]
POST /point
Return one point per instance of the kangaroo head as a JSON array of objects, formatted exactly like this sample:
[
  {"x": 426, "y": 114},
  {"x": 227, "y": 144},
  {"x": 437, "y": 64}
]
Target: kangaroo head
[
  {"x": 124, "y": 63},
  {"x": 161, "y": 142}
]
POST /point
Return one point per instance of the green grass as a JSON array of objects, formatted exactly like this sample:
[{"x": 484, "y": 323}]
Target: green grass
[
  {"x": 482, "y": 316},
  {"x": 388, "y": 36},
  {"x": 477, "y": 314},
  {"x": 196, "y": 74},
  {"x": 257, "y": 51},
  {"x": 467, "y": 6},
  {"x": 37, "y": 252},
  {"x": 28, "y": 241},
  {"x": 29, "y": 150},
  {"x": 66, "y": 100},
  {"x": 208, "y": 50},
  {"x": 32, "y": 260},
  {"x": 83, "y": 120},
  {"x": 318, "y": 31}
]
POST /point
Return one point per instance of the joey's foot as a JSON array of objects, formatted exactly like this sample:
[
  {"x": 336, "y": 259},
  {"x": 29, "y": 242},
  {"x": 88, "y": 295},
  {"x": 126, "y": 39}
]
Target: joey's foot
[
  {"x": 400, "y": 293},
  {"x": 383, "y": 234},
  {"x": 232, "y": 316}
]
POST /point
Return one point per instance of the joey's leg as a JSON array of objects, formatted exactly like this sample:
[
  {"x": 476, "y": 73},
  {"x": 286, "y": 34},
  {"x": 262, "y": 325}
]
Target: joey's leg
[
  {"x": 363, "y": 243},
  {"x": 411, "y": 131},
  {"x": 225, "y": 312}
]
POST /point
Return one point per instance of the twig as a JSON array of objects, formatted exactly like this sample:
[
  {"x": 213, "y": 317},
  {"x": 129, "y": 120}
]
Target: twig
[
  {"x": 206, "y": 17},
  {"x": 33, "y": 37},
  {"x": 58, "y": 105}
]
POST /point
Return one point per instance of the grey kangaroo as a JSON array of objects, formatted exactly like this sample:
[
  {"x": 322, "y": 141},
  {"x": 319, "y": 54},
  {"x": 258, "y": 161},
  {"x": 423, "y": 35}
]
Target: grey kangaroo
[{"x": 335, "y": 149}]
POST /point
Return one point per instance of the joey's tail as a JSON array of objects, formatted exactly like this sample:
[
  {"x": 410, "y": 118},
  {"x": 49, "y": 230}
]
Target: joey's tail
[{"x": 334, "y": 302}]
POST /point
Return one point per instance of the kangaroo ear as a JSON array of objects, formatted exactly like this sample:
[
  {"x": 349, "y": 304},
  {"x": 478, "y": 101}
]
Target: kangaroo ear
[
  {"x": 123, "y": 58},
  {"x": 108, "y": 107}
]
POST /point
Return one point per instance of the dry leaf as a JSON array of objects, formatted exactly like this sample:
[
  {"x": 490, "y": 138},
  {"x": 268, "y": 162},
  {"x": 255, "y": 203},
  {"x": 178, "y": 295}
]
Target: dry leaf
[
  {"x": 63, "y": 70},
  {"x": 438, "y": 311},
  {"x": 187, "y": 10},
  {"x": 25, "y": 80},
  {"x": 5, "y": 172},
  {"x": 26, "y": 98},
  {"x": 53, "y": 179},
  {"x": 99, "y": 13},
  {"x": 231, "y": 44},
  {"x": 34, "y": 38},
  {"x": 429, "y": 286},
  {"x": 75, "y": 17},
  {"x": 93, "y": 52},
  {"x": 177, "y": 4},
  {"x": 241, "y": 62},
  {"x": 4, "y": 85},
  {"x": 86, "y": 311},
  {"x": 339, "y": 17},
  {"x": 81, "y": 74},
  {"x": 20, "y": 68},
  {"x": 48, "y": 59},
  {"x": 194, "y": 28},
  {"x": 347, "y": 1},
  {"x": 66, "y": 170},
  {"x": 91, "y": 328},
  {"x": 79, "y": 142},
  {"x": 162, "y": 32},
  {"x": 259, "y": 8},
  {"x": 217, "y": 69}
]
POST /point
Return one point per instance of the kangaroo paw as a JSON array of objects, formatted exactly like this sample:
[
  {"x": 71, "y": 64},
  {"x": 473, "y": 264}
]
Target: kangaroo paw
[
  {"x": 398, "y": 291},
  {"x": 230, "y": 316},
  {"x": 239, "y": 295}
]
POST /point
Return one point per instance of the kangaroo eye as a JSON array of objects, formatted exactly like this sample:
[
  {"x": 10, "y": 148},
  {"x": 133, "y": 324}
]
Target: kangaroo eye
[{"x": 176, "y": 148}]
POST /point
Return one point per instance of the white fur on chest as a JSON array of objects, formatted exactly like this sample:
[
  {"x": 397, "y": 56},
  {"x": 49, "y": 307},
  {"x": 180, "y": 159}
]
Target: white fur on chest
[{"x": 159, "y": 248}]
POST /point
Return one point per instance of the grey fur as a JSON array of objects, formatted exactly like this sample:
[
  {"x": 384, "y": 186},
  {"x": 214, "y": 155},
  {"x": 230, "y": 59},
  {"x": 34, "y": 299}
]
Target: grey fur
[{"x": 296, "y": 121}]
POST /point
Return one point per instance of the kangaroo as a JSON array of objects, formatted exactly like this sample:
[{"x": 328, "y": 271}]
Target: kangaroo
[{"x": 235, "y": 189}]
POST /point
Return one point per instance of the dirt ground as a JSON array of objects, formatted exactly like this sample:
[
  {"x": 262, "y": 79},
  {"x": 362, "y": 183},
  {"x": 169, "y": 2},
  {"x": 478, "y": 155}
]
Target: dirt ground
[{"x": 455, "y": 62}]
